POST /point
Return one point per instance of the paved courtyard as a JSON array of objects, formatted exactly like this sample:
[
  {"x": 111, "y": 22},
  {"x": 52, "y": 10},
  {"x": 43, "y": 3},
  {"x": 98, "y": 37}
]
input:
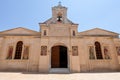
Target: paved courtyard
[{"x": 74, "y": 76}]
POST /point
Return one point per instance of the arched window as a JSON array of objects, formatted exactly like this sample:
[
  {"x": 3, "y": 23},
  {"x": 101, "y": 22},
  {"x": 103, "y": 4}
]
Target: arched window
[
  {"x": 45, "y": 33},
  {"x": 73, "y": 33},
  {"x": 98, "y": 50},
  {"x": 18, "y": 51}
]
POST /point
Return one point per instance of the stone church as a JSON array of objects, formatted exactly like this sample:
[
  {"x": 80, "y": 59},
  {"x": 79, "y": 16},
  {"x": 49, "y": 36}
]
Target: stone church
[{"x": 58, "y": 46}]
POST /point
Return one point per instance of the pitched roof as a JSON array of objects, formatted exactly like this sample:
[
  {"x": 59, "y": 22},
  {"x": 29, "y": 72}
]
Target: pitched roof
[
  {"x": 98, "y": 32},
  {"x": 19, "y": 31}
]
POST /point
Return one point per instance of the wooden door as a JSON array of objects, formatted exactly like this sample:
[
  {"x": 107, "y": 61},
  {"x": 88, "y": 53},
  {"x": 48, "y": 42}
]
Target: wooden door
[{"x": 55, "y": 61}]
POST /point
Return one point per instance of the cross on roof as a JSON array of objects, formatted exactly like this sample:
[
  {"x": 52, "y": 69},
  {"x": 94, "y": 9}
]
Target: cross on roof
[{"x": 59, "y": 3}]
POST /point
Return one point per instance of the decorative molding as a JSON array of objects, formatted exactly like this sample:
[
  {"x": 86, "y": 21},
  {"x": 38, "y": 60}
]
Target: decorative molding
[
  {"x": 75, "y": 50},
  {"x": 43, "y": 50}
]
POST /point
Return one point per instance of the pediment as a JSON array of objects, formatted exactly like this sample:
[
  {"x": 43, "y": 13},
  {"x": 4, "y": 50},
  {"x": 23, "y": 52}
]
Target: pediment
[
  {"x": 98, "y": 32},
  {"x": 52, "y": 21},
  {"x": 19, "y": 31}
]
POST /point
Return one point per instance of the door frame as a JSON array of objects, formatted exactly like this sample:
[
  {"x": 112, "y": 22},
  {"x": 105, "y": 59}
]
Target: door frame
[{"x": 68, "y": 60}]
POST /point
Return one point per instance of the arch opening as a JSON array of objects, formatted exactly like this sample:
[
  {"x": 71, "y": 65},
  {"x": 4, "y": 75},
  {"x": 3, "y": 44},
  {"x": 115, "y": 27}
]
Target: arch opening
[{"x": 59, "y": 58}]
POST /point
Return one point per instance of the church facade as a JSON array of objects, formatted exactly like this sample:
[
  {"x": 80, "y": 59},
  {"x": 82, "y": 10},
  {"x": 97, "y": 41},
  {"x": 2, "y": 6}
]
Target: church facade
[{"x": 59, "y": 45}]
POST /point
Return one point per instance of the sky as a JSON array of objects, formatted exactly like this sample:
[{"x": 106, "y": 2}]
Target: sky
[{"x": 89, "y": 14}]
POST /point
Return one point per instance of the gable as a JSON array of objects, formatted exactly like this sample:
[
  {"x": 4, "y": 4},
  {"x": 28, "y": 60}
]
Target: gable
[
  {"x": 20, "y": 31},
  {"x": 51, "y": 20},
  {"x": 98, "y": 32}
]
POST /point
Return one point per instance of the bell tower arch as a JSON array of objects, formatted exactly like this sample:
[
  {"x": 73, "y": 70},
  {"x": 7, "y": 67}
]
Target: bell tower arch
[{"x": 59, "y": 13}]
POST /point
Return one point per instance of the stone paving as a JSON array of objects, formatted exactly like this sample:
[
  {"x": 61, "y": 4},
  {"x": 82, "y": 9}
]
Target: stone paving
[{"x": 74, "y": 76}]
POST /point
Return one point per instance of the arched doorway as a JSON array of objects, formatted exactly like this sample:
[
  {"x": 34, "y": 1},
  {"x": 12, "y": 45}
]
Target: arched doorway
[{"x": 59, "y": 57}]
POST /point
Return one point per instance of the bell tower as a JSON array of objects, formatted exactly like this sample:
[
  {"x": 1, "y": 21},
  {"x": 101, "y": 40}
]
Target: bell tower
[
  {"x": 58, "y": 24},
  {"x": 59, "y": 14}
]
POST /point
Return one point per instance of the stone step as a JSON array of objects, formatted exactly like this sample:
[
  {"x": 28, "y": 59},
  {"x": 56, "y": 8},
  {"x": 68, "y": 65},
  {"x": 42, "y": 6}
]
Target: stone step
[{"x": 59, "y": 70}]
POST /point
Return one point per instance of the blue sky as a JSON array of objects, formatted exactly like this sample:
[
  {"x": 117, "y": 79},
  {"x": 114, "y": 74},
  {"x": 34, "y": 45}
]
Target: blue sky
[{"x": 88, "y": 14}]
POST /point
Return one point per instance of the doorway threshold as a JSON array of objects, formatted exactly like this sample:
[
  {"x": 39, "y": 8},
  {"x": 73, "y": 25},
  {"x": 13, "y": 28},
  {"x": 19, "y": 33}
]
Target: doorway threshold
[{"x": 60, "y": 70}]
